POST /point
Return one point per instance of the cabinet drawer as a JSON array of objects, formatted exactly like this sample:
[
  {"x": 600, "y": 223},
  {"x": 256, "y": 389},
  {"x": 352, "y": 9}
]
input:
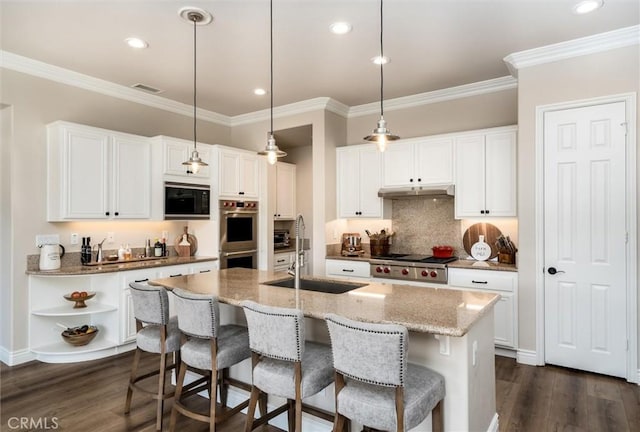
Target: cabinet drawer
[
  {"x": 346, "y": 268},
  {"x": 483, "y": 279}
]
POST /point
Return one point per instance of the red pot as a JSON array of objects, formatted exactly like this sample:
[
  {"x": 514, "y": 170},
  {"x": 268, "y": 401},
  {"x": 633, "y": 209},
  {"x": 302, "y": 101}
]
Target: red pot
[{"x": 442, "y": 251}]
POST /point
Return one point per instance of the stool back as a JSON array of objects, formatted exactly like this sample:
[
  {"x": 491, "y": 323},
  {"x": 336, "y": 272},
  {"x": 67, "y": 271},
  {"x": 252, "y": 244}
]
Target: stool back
[
  {"x": 372, "y": 353},
  {"x": 275, "y": 332},
  {"x": 198, "y": 315},
  {"x": 150, "y": 303}
]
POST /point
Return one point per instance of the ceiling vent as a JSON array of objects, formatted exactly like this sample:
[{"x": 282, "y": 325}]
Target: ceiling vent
[{"x": 146, "y": 88}]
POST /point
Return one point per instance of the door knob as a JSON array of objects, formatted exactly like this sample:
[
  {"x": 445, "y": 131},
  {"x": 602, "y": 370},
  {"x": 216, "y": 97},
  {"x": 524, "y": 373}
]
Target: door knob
[{"x": 552, "y": 271}]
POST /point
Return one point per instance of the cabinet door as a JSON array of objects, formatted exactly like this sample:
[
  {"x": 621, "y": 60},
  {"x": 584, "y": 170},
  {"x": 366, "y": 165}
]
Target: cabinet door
[
  {"x": 128, "y": 320},
  {"x": 398, "y": 165},
  {"x": 503, "y": 321},
  {"x": 229, "y": 170},
  {"x": 175, "y": 152},
  {"x": 85, "y": 173},
  {"x": 282, "y": 261},
  {"x": 500, "y": 174},
  {"x": 131, "y": 178},
  {"x": 369, "y": 179},
  {"x": 285, "y": 191},
  {"x": 434, "y": 161},
  {"x": 470, "y": 179},
  {"x": 248, "y": 176},
  {"x": 348, "y": 173}
]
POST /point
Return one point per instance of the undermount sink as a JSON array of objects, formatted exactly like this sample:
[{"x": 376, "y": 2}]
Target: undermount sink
[{"x": 325, "y": 286}]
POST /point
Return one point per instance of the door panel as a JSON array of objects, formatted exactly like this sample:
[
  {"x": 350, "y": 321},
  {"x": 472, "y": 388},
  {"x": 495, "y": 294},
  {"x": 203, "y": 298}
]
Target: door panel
[{"x": 585, "y": 229}]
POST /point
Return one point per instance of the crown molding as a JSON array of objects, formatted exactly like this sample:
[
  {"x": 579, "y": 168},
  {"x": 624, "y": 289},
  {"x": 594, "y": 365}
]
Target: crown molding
[
  {"x": 40, "y": 69},
  {"x": 458, "y": 92},
  {"x": 573, "y": 48},
  {"x": 315, "y": 104}
]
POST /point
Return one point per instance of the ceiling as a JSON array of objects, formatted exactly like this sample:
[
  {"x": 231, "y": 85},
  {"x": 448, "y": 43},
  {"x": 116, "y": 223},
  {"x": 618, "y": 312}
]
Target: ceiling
[{"x": 432, "y": 44}]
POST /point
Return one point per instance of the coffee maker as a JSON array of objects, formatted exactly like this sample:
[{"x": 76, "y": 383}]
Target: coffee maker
[{"x": 351, "y": 244}]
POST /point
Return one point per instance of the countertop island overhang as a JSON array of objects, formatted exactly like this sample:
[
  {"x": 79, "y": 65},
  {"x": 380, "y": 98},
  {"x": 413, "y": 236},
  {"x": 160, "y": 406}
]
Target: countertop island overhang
[{"x": 451, "y": 330}]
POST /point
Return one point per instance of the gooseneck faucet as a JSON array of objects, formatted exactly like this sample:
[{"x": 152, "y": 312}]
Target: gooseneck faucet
[{"x": 299, "y": 261}]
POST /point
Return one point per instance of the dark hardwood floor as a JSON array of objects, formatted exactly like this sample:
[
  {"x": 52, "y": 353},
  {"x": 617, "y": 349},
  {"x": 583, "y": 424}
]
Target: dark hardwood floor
[{"x": 89, "y": 397}]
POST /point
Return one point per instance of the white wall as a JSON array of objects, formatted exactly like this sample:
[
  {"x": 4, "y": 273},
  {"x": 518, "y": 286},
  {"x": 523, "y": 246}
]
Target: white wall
[{"x": 6, "y": 238}]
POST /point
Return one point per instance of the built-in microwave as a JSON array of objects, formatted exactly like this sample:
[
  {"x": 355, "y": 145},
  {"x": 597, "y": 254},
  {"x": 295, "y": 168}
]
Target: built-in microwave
[{"x": 186, "y": 201}]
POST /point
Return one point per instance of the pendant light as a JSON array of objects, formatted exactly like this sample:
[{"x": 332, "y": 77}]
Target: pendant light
[
  {"x": 381, "y": 135},
  {"x": 271, "y": 150},
  {"x": 198, "y": 17}
]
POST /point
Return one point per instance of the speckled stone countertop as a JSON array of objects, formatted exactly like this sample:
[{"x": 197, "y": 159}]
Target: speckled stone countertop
[
  {"x": 117, "y": 267},
  {"x": 461, "y": 263},
  {"x": 427, "y": 310}
]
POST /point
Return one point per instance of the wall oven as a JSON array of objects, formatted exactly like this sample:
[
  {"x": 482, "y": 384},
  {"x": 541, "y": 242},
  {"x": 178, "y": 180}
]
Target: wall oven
[{"x": 238, "y": 234}]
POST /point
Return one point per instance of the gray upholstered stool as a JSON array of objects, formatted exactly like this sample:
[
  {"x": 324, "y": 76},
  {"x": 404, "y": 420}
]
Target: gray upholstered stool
[
  {"x": 156, "y": 334},
  {"x": 283, "y": 364},
  {"x": 208, "y": 348},
  {"x": 375, "y": 385}
]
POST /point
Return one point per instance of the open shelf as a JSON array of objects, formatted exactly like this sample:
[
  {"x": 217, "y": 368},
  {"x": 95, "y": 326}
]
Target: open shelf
[
  {"x": 68, "y": 310},
  {"x": 63, "y": 348}
]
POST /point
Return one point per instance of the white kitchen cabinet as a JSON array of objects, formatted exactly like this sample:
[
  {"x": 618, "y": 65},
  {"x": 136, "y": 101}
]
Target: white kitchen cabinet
[
  {"x": 347, "y": 269},
  {"x": 127, "y": 317},
  {"x": 359, "y": 170},
  {"x": 238, "y": 174},
  {"x": 175, "y": 151},
  {"x": 97, "y": 174},
  {"x": 420, "y": 161},
  {"x": 285, "y": 191},
  {"x": 503, "y": 283},
  {"x": 486, "y": 173},
  {"x": 282, "y": 260}
]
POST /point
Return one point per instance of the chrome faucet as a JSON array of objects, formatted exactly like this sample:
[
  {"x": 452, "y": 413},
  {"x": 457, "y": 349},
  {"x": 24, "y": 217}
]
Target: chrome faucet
[{"x": 296, "y": 265}]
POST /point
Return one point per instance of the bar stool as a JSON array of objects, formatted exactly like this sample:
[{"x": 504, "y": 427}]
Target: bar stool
[
  {"x": 156, "y": 333},
  {"x": 375, "y": 385},
  {"x": 208, "y": 348},
  {"x": 283, "y": 364}
]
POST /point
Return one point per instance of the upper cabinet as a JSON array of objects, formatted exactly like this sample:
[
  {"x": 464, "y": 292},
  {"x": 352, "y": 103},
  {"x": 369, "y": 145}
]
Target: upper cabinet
[
  {"x": 359, "y": 171},
  {"x": 285, "y": 191},
  {"x": 486, "y": 173},
  {"x": 97, "y": 174},
  {"x": 238, "y": 174},
  {"x": 418, "y": 161},
  {"x": 175, "y": 151}
]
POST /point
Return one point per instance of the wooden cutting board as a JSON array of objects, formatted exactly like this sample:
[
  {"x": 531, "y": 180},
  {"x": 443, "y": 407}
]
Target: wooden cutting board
[
  {"x": 473, "y": 233},
  {"x": 193, "y": 241}
]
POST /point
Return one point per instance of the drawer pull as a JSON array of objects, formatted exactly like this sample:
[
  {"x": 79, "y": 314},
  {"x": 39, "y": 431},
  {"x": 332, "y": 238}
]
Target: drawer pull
[
  {"x": 281, "y": 260},
  {"x": 176, "y": 275},
  {"x": 141, "y": 280},
  {"x": 348, "y": 270},
  {"x": 479, "y": 282},
  {"x": 205, "y": 271}
]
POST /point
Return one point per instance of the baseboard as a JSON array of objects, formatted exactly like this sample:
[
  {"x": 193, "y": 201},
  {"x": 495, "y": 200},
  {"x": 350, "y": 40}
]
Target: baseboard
[
  {"x": 309, "y": 423},
  {"x": 505, "y": 352},
  {"x": 12, "y": 358},
  {"x": 527, "y": 357},
  {"x": 495, "y": 424}
]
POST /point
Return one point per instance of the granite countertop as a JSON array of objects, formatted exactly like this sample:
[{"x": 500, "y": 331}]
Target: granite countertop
[
  {"x": 461, "y": 263},
  {"x": 117, "y": 267},
  {"x": 427, "y": 310}
]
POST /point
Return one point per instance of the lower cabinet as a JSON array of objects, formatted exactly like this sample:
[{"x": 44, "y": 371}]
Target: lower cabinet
[
  {"x": 282, "y": 261},
  {"x": 506, "y": 310},
  {"x": 347, "y": 269}
]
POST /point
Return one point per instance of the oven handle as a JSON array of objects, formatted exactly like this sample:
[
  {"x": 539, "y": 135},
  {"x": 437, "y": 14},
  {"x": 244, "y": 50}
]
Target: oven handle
[
  {"x": 228, "y": 254},
  {"x": 228, "y": 212}
]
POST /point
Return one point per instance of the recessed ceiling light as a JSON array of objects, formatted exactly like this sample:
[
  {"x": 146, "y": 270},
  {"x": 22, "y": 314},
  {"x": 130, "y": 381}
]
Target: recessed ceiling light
[
  {"x": 586, "y": 6},
  {"x": 340, "y": 28},
  {"x": 135, "y": 42},
  {"x": 380, "y": 60},
  {"x": 259, "y": 92}
]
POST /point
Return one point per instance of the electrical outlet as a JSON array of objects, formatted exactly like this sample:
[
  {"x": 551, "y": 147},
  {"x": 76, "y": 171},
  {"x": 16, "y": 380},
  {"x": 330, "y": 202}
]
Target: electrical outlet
[
  {"x": 73, "y": 239},
  {"x": 42, "y": 239},
  {"x": 111, "y": 237}
]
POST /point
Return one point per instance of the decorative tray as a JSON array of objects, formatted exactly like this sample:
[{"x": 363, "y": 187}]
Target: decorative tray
[{"x": 109, "y": 262}]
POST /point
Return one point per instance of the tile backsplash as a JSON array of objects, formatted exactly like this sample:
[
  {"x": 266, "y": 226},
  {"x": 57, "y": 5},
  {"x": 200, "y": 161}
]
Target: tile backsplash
[{"x": 421, "y": 223}]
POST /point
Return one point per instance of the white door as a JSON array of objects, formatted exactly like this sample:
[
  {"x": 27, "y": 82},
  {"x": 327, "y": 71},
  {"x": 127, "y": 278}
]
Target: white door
[{"x": 584, "y": 225}]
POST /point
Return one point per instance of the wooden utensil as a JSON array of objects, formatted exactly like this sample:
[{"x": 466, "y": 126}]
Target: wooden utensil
[
  {"x": 193, "y": 241},
  {"x": 472, "y": 236}
]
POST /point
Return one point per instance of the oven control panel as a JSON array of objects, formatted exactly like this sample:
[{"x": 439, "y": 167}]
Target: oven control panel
[{"x": 239, "y": 205}]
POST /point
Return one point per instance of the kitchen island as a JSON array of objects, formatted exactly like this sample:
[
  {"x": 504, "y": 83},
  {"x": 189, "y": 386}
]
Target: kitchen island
[{"x": 451, "y": 331}]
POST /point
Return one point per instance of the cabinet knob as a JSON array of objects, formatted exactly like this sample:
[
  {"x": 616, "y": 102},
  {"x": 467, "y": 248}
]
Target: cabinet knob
[
  {"x": 486, "y": 212},
  {"x": 106, "y": 213},
  {"x": 481, "y": 211},
  {"x": 411, "y": 180},
  {"x": 117, "y": 214},
  {"x": 240, "y": 193},
  {"x": 419, "y": 179}
]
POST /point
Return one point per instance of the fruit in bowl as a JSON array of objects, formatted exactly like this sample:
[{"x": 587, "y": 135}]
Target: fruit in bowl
[
  {"x": 79, "y": 336},
  {"x": 79, "y": 297}
]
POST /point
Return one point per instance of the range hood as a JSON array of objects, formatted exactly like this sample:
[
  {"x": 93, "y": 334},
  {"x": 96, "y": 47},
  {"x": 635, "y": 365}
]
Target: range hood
[{"x": 442, "y": 190}]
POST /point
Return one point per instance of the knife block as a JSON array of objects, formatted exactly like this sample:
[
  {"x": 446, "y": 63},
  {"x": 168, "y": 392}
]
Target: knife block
[{"x": 507, "y": 258}]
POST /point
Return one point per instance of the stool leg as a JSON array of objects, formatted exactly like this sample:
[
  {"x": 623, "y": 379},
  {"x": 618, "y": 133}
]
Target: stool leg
[
  {"x": 291, "y": 415},
  {"x": 213, "y": 402},
  {"x": 176, "y": 399},
  {"x": 437, "y": 419},
  {"x": 224, "y": 386},
  {"x": 251, "y": 410},
  {"x": 132, "y": 378},
  {"x": 161, "y": 385},
  {"x": 297, "y": 366}
]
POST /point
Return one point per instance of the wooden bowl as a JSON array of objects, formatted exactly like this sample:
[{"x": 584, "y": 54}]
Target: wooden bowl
[
  {"x": 76, "y": 337},
  {"x": 79, "y": 301}
]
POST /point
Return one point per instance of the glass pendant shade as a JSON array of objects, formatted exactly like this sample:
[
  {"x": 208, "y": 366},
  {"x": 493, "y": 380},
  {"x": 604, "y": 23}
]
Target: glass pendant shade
[
  {"x": 381, "y": 135},
  {"x": 195, "y": 162},
  {"x": 272, "y": 151}
]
